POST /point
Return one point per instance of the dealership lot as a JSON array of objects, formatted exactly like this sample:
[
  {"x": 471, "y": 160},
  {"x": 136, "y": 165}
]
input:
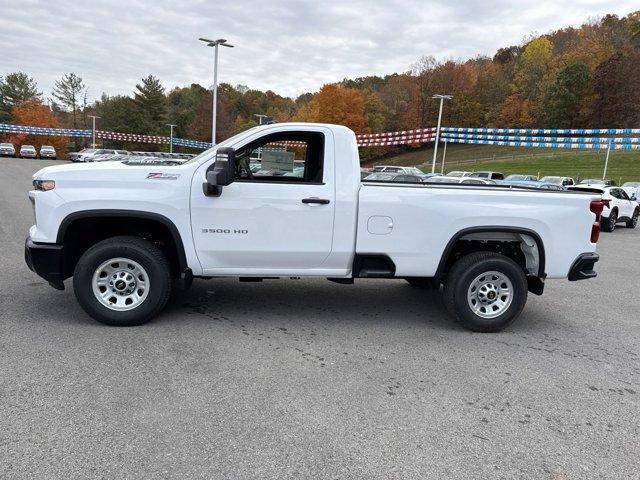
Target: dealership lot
[{"x": 280, "y": 380}]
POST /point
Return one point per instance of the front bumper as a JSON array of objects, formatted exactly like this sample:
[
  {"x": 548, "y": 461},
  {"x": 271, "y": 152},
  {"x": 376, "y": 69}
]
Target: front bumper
[
  {"x": 582, "y": 268},
  {"x": 47, "y": 260}
]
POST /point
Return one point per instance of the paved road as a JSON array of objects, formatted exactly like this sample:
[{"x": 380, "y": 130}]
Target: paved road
[{"x": 309, "y": 379}]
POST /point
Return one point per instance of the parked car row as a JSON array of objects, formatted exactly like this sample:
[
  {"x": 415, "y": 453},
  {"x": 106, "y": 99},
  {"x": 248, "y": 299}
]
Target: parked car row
[
  {"x": 104, "y": 154},
  {"x": 27, "y": 151}
]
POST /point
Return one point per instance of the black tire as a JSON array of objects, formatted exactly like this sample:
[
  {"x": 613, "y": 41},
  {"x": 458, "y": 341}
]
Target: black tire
[
  {"x": 633, "y": 221},
  {"x": 461, "y": 277},
  {"x": 609, "y": 224},
  {"x": 148, "y": 256},
  {"x": 420, "y": 282}
]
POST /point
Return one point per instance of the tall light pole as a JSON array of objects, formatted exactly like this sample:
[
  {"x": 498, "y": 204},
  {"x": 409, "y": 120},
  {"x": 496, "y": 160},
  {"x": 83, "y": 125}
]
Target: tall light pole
[
  {"x": 435, "y": 149},
  {"x": 606, "y": 161},
  {"x": 93, "y": 141},
  {"x": 215, "y": 44},
  {"x": 171, "y": 125}
]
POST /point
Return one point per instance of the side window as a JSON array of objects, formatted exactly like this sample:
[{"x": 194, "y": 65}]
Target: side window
[
  {"x": 614, "y": 193},
  {"x": 623, "y": 194},
  {"x": 295, "y": 157}
]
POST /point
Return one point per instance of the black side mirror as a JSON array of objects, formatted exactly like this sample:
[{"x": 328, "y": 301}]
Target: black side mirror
[{"x": 221, "y": 173}]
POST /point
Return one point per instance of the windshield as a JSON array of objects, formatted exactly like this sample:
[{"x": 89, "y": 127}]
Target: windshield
[
  {"x": 87, "y": 150},
  {"x": 516, "y": 177},
  {"x": 551, "y": 179},
  {"x": 595, "y": 181},
  {"x": 226, "y": 143},
  {"x": 6, "y": 145}
]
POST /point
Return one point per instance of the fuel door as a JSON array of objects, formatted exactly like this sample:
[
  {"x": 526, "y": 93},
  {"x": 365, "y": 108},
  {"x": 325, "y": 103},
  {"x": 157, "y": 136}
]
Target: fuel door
[{"x": 380, "y": 225}]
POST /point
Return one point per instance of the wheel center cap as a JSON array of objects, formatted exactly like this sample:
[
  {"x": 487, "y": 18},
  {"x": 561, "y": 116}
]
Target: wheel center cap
[
  {"x": 120, "y": 285},
  {"x": 491, "y": 295}
]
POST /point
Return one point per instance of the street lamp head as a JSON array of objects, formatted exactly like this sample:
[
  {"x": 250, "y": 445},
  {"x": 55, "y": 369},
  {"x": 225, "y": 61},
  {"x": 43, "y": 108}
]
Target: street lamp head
[
  {"x": 213, "y": 43},
  {"x": 446, "y": 97}
]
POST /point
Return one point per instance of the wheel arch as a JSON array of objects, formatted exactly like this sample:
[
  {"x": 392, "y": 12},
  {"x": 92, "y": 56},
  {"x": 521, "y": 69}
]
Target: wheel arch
[
  {"x": 458, "y": 236},
  {"x": 142, "y": 219}
]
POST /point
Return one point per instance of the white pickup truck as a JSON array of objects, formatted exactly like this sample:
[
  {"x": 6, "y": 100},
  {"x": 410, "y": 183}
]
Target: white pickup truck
[{"x": 286, "y": 200}]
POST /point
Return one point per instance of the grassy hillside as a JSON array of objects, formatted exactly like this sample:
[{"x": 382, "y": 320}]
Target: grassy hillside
[{"x": 623, "y": 166}]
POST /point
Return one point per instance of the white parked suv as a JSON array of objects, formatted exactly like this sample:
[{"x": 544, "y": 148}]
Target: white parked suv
[
  {"x": 128, "y": 231},
  {"x": 28, "y": 151},
  {"x": 619, "y": 206},
  {"x": 7, "y": 150}
]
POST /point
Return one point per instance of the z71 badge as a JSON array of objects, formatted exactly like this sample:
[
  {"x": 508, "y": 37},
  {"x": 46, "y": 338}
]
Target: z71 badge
[{"x": 163, "y": 176}]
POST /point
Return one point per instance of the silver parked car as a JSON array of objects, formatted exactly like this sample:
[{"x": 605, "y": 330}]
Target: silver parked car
[
  {"x": 28, "y": 151},
  {"x": 7, "y": 150},
  {"x": 47, "y": 151}
]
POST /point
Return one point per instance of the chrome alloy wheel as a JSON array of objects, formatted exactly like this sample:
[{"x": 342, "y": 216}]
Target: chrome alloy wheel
[
  {"x": 120, "y": 284},
  {"x": 490, "y": 294}
]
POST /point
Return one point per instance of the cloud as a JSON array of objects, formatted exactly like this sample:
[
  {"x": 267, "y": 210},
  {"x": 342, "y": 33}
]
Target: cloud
[{"x": 288, "y": 47}]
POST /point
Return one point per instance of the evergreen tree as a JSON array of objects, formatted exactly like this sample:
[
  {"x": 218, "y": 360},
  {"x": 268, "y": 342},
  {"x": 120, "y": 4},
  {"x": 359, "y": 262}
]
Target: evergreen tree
[
  {"x": 15, "y": 88},
  {"x": 69, "y": 91},
  {"x": 151, "y": 106}
]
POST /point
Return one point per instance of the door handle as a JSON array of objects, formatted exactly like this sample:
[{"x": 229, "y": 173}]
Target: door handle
[{"x": 319, "y": 201}]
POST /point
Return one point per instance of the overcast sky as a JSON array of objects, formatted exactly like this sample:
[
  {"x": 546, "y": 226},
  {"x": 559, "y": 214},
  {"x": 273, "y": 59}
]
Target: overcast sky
[{"x": 289, "y": 47}]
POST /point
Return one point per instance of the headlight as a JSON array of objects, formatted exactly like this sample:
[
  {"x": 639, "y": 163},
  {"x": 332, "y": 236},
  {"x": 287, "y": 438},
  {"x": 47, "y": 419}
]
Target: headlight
[{"x": 44, "y": 185}]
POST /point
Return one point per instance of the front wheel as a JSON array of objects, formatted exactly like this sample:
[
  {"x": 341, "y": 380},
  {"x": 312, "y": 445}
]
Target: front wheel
[
  {"x": 485, "y": 291},
  {"x": 122, "y": 281}
]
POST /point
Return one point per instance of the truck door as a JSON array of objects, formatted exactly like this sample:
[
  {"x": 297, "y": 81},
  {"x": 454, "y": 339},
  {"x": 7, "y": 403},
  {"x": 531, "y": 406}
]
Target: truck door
[{"x": 278, "y": 213}]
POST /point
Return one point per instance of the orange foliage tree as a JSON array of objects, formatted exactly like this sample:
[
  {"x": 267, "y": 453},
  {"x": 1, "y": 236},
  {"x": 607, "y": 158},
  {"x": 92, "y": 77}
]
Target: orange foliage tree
[
  {"x": 34, "y": 113},
  {"x": 336, "y": 104}
]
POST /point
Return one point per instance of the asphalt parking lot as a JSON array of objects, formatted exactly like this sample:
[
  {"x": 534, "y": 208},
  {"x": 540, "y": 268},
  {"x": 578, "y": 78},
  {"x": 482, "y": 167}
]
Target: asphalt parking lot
[{"x": 310, "y": 379}]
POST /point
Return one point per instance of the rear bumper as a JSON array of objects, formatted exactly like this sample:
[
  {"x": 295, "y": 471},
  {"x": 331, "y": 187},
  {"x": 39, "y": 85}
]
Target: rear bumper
[
  {"x": 47, "y": 260},
  {"x": 582, "y": 268}
]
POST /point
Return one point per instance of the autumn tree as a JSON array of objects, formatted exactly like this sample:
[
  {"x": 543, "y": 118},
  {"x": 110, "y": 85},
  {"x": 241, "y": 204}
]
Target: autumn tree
[
  {"x": 336, "y": 104},
  {"x": 33, "y": 112},
  {"x": 14, "y": 89},
  {"x": 533, "y": 72},
  {"x": 69, "y": 92},
  {"x": 616, "y": 84},
  {"x": 516, "y": 112}
]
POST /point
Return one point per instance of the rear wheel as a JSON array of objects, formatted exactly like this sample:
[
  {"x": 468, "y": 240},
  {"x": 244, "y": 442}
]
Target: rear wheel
[
  {"x": 122, "y": 281},
  {"x": 609, "y": 224},
  {"x": 633, "y": 222},
  {"x": 485, "y": 291}
]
